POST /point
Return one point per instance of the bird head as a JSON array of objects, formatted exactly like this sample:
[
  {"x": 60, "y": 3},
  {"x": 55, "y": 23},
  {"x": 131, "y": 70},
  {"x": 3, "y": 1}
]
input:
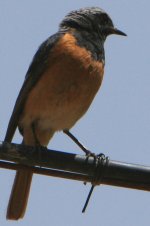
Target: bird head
[{"x": 90, "y": 19}]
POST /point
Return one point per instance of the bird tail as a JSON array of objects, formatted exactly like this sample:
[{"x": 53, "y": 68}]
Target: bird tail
[{"x": 19, "y": 195}]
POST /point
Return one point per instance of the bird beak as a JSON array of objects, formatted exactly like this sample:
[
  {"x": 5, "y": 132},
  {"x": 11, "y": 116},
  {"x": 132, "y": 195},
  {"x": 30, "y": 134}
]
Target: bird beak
[{"x": 115, "y": 31}]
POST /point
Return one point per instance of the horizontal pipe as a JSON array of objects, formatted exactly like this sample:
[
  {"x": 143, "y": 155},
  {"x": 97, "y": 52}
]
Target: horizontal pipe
[
  {"x": 45, "y": 171},
  {"x": 77, "y": 167}
]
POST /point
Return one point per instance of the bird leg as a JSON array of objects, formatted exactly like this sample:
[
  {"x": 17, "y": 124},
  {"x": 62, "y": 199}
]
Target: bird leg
[
  {"x": 87, "y": 152},
  {"x": 37, "y": 142}
]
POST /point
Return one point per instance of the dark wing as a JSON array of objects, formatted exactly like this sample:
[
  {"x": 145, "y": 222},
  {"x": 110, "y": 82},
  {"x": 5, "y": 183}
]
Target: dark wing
[{"x": 37, "y": 68}]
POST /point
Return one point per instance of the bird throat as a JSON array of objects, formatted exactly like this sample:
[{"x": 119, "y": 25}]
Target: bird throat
[{"x": 93, "y": 43}]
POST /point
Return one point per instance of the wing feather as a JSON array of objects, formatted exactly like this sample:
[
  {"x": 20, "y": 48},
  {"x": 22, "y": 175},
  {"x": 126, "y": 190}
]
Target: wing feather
[{"x": 38, "y": 66}]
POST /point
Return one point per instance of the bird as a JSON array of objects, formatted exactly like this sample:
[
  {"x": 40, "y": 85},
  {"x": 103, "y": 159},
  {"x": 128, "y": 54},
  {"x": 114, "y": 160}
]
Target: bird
[{"x": 62, "y": 80}]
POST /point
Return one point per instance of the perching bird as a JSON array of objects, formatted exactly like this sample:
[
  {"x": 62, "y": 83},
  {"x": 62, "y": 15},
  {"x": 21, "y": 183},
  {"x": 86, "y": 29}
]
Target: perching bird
[{"x": 60, "y": 84}]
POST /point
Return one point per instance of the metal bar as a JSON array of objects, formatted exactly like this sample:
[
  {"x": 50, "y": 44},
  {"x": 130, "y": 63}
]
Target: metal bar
[
  {"x": 127, "y": 175},
  {"x": 45, "y": 171},
  {"x": 77, "y": 167}
]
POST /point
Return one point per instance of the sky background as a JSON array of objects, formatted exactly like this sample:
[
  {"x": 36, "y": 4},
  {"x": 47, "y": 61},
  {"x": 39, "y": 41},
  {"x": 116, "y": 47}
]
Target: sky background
[{"x": 117, "y": 124}]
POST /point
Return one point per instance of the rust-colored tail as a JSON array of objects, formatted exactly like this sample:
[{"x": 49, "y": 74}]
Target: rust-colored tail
[{"x": 19, "y": 195}]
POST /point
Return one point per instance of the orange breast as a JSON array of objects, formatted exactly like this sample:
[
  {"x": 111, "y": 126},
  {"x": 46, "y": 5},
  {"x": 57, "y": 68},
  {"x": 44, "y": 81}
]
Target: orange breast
[{"x": 66, "y": 89}]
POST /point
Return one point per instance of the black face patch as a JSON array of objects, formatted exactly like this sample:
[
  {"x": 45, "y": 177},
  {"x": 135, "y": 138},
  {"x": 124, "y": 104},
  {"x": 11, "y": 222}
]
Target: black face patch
[{"x": 92, "y": 43}]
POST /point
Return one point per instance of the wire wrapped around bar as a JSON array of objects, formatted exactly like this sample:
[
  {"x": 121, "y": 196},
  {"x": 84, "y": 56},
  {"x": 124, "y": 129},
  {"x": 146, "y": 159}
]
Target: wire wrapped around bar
[{"x": 101, "y": 163}]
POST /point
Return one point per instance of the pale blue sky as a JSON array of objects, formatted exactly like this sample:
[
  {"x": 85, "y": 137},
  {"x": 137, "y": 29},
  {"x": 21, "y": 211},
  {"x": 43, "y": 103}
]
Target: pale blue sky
[{"x": 117, "y": 124}]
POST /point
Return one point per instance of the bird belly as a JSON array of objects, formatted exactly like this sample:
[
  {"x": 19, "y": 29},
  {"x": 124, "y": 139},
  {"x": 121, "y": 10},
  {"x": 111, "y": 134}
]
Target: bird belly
[
  {"x": 60, "y": 104},
  {"x": 65, "y": 91}
]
